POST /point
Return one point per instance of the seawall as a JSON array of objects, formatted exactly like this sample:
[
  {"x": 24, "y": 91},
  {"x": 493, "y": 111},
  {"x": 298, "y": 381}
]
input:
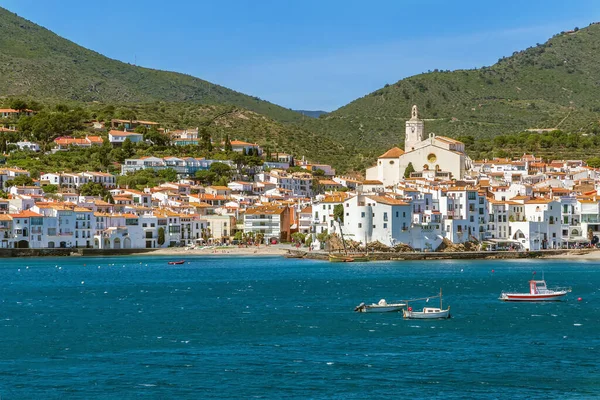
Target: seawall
[
  {"x": 466, "y": 255},
  {"x": 59, "y": 252}
]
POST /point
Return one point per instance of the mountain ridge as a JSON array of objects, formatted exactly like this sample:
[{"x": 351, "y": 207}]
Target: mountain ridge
[
  {"x": 40, "y": 64},
  {"x": 551, "y": 85}
]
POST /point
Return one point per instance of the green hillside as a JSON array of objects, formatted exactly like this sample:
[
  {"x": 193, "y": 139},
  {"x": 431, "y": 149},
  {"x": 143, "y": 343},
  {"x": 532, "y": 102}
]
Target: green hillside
[
  {"x": 41, "y": 65},
  {"x": 551, "y": 85}
]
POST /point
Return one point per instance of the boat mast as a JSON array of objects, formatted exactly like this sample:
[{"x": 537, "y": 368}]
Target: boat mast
[
  {"x": 342, "y": 235},
  {"x": 441, "y": 299}
]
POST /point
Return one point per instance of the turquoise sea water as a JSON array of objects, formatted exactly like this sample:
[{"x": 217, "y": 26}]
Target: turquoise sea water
[{"x": 134, "y": 327}]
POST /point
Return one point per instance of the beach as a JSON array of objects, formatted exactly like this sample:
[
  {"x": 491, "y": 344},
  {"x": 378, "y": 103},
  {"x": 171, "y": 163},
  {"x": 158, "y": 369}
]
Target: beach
[
  {"x": 577, "y": 254},
  {"x": 223, "y": 250}
]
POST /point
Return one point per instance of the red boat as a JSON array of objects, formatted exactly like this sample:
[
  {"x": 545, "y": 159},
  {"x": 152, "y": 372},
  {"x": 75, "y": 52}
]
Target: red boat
[
  {"x": 538, "y": 291},
  {"x": 176, "y": 262}
]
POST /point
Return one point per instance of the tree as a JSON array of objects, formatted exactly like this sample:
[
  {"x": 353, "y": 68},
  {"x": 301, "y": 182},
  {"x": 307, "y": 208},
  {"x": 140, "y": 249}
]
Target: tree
[
  {"x": 156, "y": 137},
  {"x": 259, "y": 237},
  {"x": 50, "y": 188},
  {"x": 594, "y": 162},
  {"x": 308, "y": 240},
  {"x": 220, "y": 168},
  {"x": 205, "y": 140},
  {"x": 168, "y": 174},
  {"x": 338, "y": 212},
  {"x": 318, "y": 172},
  {"x": 409, "y": 169},
  {"x": 19, "y": 180},
  {"x": 298, "y": 237},
  {"x": 228, "y": 146},
  {"x": 18, "y": 104},
  {"x": 323, "y": 237},
  {"x": 127, "y": 114},
  {"x": 141, "y": 129},
  {"x": 161, "y": 236},
  {"x": 128, "y": 149},
  {"x": 205, "y": 177},
  {"x": 92, "y": 189}
]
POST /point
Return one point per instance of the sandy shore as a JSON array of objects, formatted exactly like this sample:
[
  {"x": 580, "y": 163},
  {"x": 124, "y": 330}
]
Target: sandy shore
[
  {"x": 583, "y": 254},
  {"x": 229, "y": 250}
]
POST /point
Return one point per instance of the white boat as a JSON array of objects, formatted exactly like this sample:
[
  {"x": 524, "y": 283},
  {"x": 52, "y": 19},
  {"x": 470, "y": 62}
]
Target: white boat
[
  {"x": 428, "y": 312},
  {"x": 538, "y": 291},
  {"x": 380, "y": 307}
]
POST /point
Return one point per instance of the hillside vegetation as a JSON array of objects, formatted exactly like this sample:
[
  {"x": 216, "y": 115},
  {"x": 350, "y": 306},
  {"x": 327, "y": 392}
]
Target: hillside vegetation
[
  {"x": 551, "y": 85},
  {"x": 39, "y": 64}
]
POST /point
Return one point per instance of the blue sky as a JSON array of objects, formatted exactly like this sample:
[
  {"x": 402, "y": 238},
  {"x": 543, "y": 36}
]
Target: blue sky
[{"x": 311, "y": 54}]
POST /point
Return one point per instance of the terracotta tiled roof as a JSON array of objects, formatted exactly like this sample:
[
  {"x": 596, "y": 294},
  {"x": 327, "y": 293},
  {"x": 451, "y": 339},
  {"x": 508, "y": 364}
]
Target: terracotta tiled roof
[{"x": 392, "y": 153}]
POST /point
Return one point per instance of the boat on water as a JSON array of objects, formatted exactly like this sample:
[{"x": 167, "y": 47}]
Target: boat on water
[
  {"x": 427, "y": 312},
  {"x": 381, "y": 306},
  {"x": 176, "y": 262},
  {"x": 538, "y": 291},
  {"x": 340, "y": 258}
]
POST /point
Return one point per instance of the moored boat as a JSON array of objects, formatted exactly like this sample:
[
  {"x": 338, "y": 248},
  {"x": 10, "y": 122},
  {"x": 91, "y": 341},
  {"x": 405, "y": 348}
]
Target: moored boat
[
  {"x": 428, "y": 312},
  {"x": 176, "y": 262},
  {"x": 538, "y": 291},
  {"x": 340, "y": 258},
  {"x": 381, "y": 306}
]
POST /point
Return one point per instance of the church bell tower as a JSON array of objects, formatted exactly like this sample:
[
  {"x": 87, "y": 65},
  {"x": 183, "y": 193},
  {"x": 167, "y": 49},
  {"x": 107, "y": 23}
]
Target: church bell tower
[{"x": 415, "y": 131}]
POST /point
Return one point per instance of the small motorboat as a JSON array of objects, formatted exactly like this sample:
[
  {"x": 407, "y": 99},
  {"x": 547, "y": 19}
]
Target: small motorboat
[
  {"x": 176, "y": 262},
  {"x": 382, "y": 306},
  {"x": 428, "y": 312},
  {"x": 538, "y": 291}
]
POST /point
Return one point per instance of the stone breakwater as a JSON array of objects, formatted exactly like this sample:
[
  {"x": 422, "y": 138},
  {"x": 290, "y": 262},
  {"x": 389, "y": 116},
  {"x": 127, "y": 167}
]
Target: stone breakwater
[{"x": 466, "y": 255}]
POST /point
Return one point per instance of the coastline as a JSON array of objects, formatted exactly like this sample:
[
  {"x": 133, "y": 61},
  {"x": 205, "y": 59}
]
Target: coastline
[
  {"x": 290, "y": 252},
  {"x": 220, "y": 251}
]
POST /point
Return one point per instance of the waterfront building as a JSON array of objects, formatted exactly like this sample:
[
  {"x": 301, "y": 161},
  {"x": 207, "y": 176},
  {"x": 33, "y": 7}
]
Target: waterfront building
[{"x": 272, "y": 221}]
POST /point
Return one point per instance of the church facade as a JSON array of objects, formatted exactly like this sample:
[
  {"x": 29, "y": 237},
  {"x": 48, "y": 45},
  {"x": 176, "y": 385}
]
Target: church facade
[{"x": 432, "y": 156}]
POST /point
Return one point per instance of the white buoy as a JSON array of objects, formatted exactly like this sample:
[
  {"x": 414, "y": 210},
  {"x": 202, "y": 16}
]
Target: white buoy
[{"x": 82, "y": 282}]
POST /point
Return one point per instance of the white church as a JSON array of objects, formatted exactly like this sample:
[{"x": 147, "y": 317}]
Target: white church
[{"x": 434, "y": 156}]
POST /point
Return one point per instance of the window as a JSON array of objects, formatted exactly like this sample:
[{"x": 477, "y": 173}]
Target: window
[
  {"x": 384, "y": 226},
  {"x": 385, "y": 216},
  {"x": 359, "y": 225},
  {"x": 397, "y": 214},
  {"x": 362, "y": 214},
  {"x": 374, "y": 226}
]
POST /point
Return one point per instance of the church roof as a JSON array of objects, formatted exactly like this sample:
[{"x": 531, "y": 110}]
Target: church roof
[
  {"x": 392, "y": 153},
  {"x": 447, "y": 139}
]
